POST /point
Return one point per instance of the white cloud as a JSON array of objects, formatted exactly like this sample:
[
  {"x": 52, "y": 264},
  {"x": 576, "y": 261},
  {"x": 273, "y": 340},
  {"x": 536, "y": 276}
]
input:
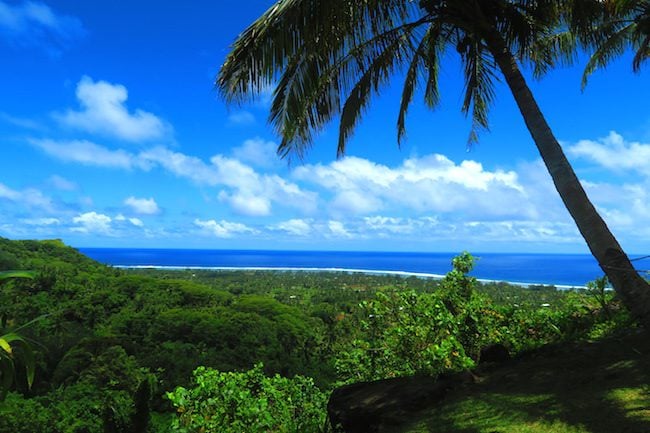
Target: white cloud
[
  {"x": 245, "y": 204},
  {"x": 136, "y": 222},
  {"x": 62, "y": 183},
  {"x": 104, "y": 112},
  {"x": 8, "y": 193},
  {"x": 258, "y": 152},
  {"x": 224, "y": 229},
  {"x": 247, "y": 191},
  {"x": 181, "y": 165},
  {"x": 401, "y": 226},
  {"x": 87, "y": 153},
  {"x": 520, "y": 231},
  {"x": 32, "y": 23},
  {"x": 337, "y": 228},
  {"x": 241, "y": 117},
  {"x": 429, "y": 184},
  {"x": 296, "y": 227},
  {"x": 355, "y": 202},
  {"x": 625, "y": 207},
  {"x": 252, "y": 193},
  {"x": 41, "y": 221},
  {"x": 92, "y": 222},
  {"x": 30, "y": 197},
  {"x": 143, "y": 206},
  {"x": 615, "y": 153}
]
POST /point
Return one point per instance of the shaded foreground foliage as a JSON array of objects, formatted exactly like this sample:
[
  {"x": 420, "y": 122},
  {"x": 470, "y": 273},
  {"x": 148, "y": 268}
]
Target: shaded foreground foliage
[
  {"x": 116, "y": 345},
  {"x": 579, "y": 387}
]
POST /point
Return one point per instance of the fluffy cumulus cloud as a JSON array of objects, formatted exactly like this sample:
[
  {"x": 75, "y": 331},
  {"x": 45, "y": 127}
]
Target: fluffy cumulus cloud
[
  {"x": 99, "y": 224},
  {"x": 431, "y": 184},
  {"x": 92, "y": 222},
  {"x": 250, "y": 193},
  {"x": 615, "y": 153},
  {"x": 224, "y": 229},
  {"x": 104, "y": 111},
  {"x": 245, "y": 190},
  {"x": 142, "y": 206},
  {"x": 30, "y": 23}
]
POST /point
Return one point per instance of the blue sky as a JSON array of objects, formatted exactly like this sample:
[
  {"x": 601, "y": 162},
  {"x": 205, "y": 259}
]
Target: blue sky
[{"x": 112, "y": 135}]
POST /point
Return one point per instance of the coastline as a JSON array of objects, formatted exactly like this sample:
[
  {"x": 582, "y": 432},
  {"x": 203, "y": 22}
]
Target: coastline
[{"x": 335, "y": 269}]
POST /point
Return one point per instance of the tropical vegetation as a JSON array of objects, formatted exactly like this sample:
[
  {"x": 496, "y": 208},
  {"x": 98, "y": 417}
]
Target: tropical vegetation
[{"x": 188, "y": 351}]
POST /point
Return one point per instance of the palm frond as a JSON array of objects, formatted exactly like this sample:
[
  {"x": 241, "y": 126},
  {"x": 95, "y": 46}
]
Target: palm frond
[
  {"x": 642, "y": 54},
  {"x": 310, "y": 90},
  {"x": 437, "y": 39},
  {"x": 559, "y": 48},
  {"x": 425, "y": 61},
  {"x": 375, "y": 76},
  {"x": 613, "y": 47},
  {"x": 479, "y": 88},
  {"x": 266, "y": 47}
]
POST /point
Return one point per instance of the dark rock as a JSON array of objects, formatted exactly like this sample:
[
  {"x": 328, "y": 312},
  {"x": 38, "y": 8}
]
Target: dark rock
[
  {"x": 364, "y": 407},
  {"x": 497, "y": 353}
]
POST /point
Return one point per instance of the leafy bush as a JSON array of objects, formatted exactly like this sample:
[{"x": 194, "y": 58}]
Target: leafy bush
[
  {"x": 21, "y": 415},
  {"x": 248, "y": 402},
  {"x": 403, "y": 333}
]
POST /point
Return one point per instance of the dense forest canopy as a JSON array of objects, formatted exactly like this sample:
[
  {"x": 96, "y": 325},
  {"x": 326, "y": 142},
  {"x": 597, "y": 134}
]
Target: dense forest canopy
[{"x": 113, "y": 345}]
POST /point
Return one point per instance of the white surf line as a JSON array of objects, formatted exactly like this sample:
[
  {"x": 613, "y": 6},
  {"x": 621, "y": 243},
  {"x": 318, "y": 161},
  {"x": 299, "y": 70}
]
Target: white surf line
[{"x": 344, "y": 270}]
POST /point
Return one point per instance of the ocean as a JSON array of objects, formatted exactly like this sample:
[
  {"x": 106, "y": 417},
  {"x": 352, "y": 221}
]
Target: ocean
[{"x": 561, "y": 270}]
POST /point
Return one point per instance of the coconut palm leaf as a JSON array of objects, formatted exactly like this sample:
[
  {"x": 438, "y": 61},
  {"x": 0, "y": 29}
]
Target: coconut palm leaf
[
  {"x": 12, "y": 348},
  {"x": 614, "y": 27}
]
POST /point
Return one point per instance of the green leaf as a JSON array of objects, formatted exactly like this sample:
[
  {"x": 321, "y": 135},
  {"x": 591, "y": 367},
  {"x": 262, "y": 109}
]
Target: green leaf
[
  {"x": 9, "y": 275},
  {"x": 4, "y": 344}
]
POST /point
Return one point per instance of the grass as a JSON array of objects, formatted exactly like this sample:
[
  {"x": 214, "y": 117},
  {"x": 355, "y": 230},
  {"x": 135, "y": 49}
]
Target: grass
[{"x": 586, "y": 387}]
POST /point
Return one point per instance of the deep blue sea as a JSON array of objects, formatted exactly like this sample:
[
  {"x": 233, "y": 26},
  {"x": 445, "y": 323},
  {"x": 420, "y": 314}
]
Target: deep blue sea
[{"x": 556, "y": 269}]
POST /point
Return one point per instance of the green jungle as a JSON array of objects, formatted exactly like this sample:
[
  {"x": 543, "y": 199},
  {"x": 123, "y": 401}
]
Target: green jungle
[{"x": 88, "y": 348}]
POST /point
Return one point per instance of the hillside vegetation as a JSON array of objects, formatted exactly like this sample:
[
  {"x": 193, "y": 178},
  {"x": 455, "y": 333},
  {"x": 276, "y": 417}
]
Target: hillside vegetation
[{"x": 120, "y": 350}]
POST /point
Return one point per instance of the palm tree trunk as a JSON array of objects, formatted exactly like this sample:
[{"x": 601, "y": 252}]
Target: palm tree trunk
[{"x": 630, "y": 286}]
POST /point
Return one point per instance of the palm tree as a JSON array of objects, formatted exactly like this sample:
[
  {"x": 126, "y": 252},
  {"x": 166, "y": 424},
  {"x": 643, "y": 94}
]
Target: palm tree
[
  {"x": 330, "y": 56},
  {"x": 622, "y": 24}
]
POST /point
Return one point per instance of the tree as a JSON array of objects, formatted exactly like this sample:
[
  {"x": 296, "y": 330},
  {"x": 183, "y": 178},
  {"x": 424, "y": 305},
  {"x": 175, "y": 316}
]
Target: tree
[
  {"x": 621, "y": 24},
  {"x": 330, "y": 56}
]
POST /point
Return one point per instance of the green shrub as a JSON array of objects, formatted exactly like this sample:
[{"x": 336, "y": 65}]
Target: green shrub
[
  {"x": 21, "y": 415},
  {"x": 248, "y": 402}
]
